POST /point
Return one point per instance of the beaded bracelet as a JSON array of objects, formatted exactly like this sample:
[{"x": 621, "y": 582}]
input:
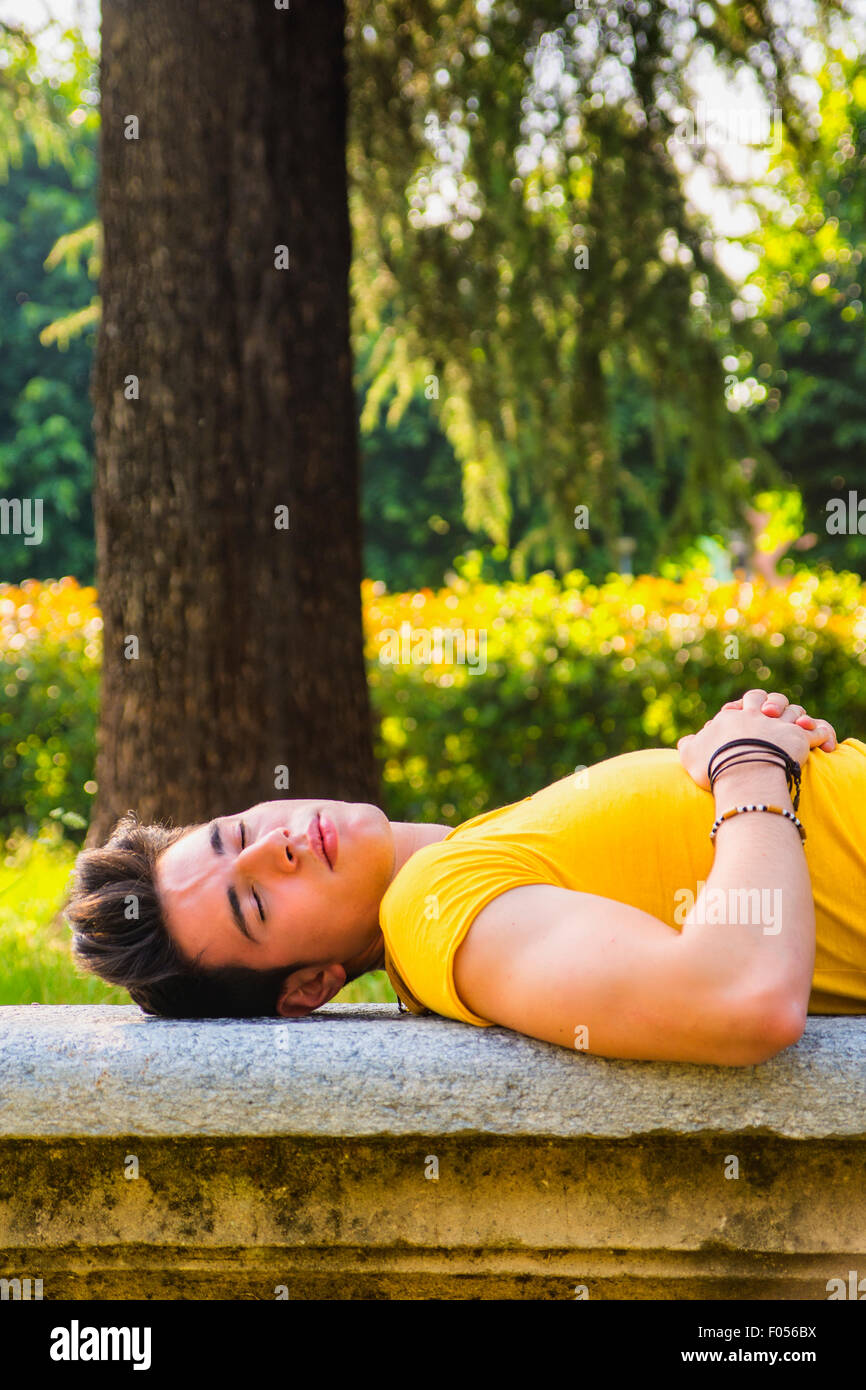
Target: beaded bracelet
[{"x": 778, "y": 810}]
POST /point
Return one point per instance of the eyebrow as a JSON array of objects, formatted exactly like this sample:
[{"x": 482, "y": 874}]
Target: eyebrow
[{"x": 216, "y": 842}]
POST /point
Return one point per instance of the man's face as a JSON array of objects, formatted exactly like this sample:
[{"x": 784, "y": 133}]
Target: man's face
[{"x": 257, "y": 889}]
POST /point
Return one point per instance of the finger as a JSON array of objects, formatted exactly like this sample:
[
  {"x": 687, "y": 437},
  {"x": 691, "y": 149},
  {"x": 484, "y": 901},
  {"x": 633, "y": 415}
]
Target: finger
[
  {"x": 794, "y": 712},
  {"x": 734, "y": 704},
  {"x": 824, "y": 735},
  {"x": 754, "y": 699},
  {"x": 685, "y": 738},
  {"x": 808, "y": 721},
  {"x": 821, "y": 734},
  {"x": 775, "y": 703}
]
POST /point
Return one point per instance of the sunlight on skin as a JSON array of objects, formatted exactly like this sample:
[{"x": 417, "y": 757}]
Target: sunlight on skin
[
  {"x": 775, "y": 705},
  {"x": 289, "y": 881},
  {"x": 272, "y": 862}
]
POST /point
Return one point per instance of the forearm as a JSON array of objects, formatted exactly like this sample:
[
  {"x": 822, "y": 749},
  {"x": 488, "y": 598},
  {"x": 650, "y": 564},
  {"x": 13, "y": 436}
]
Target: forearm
[{"x": 754, "y": 920}]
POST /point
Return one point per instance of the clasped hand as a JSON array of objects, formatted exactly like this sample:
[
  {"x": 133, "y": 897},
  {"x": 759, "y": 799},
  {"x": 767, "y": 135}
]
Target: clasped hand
[{"x": 756, "y": 715}]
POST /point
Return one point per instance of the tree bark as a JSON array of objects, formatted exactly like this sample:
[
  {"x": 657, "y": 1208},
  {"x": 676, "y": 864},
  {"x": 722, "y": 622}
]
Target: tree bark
[{"x": 250, "y": 649}]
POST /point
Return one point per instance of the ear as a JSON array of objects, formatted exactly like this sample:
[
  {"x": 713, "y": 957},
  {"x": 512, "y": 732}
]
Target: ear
[{"x": 309, "y": 988}]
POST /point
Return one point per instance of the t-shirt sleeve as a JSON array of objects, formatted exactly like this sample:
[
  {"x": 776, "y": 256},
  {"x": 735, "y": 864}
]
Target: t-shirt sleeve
[{"x": 431, "y": 904}]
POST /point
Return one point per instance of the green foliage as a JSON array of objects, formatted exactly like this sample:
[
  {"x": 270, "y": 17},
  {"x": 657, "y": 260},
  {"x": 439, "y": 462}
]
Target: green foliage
[
  {"x": 812, "y": 244},
  {"x": 46, "y": 444},
  {"x": 36, "y": 965},
  {"x": 515, "y": 138},
  {"x": 577, "y": 672},
  {"x": 412, "y": 507},
  {"x": 572, "y": 672},
  {"x": 372, "y": 988},
  {"x": 487, "y": 145},
  {"x": 49, "y": 697},
  {"x": 411, "y": 510},
  {"x": 29, "y": 106}
]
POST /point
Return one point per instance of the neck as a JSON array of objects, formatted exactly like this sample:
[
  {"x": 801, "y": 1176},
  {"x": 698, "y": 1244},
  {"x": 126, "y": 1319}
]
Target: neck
[{"x": 408, "y": 838}]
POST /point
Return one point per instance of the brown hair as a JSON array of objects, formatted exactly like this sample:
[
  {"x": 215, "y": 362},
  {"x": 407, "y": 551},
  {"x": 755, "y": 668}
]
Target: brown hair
[{"x": 119, "y": 933}]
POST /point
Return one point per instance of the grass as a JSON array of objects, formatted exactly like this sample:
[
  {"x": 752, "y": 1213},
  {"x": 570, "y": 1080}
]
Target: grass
[
  {"x": 372, "y": 988},
  {"x": 36, "y": 965}
]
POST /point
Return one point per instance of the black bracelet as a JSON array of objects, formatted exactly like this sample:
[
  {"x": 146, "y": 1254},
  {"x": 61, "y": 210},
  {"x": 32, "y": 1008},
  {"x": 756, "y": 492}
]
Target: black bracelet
[
  {"x": 789, "y": 762},
  {"x": 735, "y": 758},
  {"x": 777, "y": 756},
  {"x": 791, "y": 766}
]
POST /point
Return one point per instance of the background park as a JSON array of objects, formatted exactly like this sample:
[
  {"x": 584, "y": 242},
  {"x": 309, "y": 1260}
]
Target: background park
[{"x": 604, "y": 412}]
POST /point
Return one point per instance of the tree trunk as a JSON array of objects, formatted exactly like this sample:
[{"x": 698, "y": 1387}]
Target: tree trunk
[{"x": 249, "y": 638}]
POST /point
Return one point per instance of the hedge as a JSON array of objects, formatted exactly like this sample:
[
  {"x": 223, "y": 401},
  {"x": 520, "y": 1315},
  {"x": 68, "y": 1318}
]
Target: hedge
[{"x": 540, "y": 678}]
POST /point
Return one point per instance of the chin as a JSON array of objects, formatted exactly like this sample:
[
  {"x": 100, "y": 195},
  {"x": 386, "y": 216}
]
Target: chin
[
  {"x": 361, "y": 814},
  {"x": 370, "y": 832}
]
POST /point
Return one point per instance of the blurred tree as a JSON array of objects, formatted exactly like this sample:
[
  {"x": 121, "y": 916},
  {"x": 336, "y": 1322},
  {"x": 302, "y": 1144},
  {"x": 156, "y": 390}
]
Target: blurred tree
[
  {"x": 812, "y": 245},
  {"x": 29, "y": 108},
  {"x": 410, "y": 502},
  {"x": 638, "y": 321},
  {"x": 413, "y": 509},
  {"x": 520, "y": 213},
  {"x": 226, "y": 499},
  {"x": 48, "y": 135}
]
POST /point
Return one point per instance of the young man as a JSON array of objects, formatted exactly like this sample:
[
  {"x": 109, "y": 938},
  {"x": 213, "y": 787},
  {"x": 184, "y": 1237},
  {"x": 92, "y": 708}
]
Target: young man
[{"x": 596, "y": 913}]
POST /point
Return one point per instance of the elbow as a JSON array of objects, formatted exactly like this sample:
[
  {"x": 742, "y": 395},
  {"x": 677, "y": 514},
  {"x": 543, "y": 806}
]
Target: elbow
[
  {"x": 781, "y": 1028},
  {"x": 761, "y": 1028}
]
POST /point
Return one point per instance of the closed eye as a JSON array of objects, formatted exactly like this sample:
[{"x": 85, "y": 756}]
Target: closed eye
[{"x": 243, "y": 834}]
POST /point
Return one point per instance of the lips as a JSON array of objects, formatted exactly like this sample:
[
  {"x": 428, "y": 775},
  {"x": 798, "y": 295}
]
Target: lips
[
  {"x": 328, "y": 832},
  {"x": 323, "y": 840}
]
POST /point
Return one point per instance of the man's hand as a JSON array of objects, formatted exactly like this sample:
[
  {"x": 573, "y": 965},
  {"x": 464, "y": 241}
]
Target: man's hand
[
  {"x": 756, "y": 715},
  {"x": 777, "y": 705}
]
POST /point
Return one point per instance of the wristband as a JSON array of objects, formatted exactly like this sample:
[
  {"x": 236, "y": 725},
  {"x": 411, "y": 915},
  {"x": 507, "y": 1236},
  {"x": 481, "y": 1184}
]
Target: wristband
[
  {"x": 778, "y": 810},
  {"x": 791, "y": 766}
]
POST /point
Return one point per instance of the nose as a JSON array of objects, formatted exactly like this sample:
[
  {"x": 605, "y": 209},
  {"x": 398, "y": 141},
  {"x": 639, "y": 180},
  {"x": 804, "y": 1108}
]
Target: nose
[{"x": 272, "y": 850}]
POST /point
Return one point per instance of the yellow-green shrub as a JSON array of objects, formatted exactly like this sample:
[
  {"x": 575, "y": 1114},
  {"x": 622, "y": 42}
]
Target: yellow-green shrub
[
  {"x": 574, "y": 673},
  {"x": 577, "y": 672}
]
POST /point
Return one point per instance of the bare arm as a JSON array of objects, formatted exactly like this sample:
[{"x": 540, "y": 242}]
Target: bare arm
[
  {"x": 588, "y": 972},
  {"x": 578, "y": 969},
  {"x": 760, "y": 879}
]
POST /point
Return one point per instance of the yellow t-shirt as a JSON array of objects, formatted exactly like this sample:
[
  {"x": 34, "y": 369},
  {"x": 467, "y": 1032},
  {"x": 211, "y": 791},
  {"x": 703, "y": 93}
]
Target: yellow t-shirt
[{"x": 634, "y": 828}]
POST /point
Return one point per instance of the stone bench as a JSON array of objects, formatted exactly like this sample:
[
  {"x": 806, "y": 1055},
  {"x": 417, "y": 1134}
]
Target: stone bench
[{"x": 365, "y": 1153}]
